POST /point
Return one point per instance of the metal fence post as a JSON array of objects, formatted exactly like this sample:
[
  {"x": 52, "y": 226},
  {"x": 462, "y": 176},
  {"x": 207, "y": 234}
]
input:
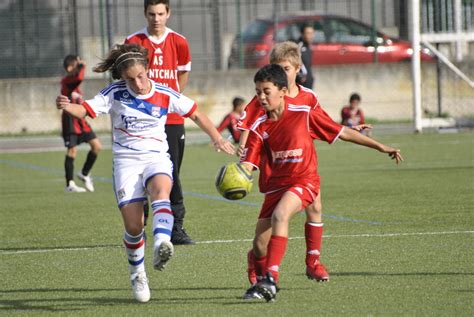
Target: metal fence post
[{"x": 216, "y": 34}]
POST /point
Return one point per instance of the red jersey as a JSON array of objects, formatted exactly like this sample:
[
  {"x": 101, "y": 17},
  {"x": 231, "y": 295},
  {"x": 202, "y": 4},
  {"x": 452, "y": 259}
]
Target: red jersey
[
  {"x": 230, "y": 122},
  {"x": 351, "y": 118},
  {"x": 167, "y": 56},
  {"x": 305, "y": 97},
  {"x": 287, "y": 145},
  {"x": 70, "y": 87}
]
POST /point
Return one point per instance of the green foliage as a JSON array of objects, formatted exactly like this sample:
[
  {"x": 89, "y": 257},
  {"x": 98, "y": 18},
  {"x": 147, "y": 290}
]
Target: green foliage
[{"x": 398, "y": 239}]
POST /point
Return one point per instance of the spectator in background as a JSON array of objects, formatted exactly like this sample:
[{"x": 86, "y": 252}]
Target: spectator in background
[
  {"x": 76, "y": 131},
  {"x": 305, "y": 77},
  {"x": 352, "y": 115},
  {"x": 230, "y": 120}
]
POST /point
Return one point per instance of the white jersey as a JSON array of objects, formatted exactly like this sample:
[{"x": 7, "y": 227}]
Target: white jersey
[{"x": 138, "y": 121}]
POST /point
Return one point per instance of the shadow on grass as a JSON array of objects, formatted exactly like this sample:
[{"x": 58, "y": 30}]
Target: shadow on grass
[
  {"x": 78, "y": 299},
  {"x": 70, "y": 247}
]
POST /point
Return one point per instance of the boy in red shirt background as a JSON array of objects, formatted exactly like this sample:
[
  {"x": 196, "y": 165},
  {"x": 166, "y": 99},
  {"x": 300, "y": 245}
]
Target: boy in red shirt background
[{"x": 76, "y": 131}]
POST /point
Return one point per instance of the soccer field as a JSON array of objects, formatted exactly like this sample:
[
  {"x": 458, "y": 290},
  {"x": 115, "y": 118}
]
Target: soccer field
[{"x": 398, "y": 239}]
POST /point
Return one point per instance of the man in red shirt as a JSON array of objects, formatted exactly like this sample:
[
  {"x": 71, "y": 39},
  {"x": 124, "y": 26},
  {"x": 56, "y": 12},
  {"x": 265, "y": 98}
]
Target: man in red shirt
[
  {"x": 231, "y": 120},
  {"x": 284, "y": 137},
  {"x": 169, "y": 64},
  {"x": 76, "y": 131}
]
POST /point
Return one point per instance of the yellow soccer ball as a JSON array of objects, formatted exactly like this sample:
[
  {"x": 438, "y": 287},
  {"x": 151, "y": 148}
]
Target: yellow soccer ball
[{"x": 233, "y": 181}]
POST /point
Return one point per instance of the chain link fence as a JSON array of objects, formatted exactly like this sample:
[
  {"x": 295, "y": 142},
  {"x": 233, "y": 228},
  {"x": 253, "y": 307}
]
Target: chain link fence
[{"x": 37, "y": 34}]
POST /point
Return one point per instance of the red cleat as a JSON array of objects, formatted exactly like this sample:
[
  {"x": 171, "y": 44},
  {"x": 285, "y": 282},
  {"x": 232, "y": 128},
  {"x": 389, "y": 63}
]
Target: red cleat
[{"x": 318, "y": 273}]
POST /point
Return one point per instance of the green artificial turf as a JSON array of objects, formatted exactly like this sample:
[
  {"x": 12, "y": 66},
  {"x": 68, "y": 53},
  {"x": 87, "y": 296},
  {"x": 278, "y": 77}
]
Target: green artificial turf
[{"x": 398, "y": 239}]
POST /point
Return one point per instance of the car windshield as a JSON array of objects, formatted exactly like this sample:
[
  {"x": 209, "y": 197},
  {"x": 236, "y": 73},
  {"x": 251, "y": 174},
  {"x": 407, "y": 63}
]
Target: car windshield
[
  {"x": 292, "y": 31},
  {"x": 255, "y": 30},
  {"x": 346, "y": 31}
]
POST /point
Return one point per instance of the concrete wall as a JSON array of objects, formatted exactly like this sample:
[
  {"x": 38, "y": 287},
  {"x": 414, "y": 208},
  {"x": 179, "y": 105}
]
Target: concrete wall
[{"x": 28, "y": 105}]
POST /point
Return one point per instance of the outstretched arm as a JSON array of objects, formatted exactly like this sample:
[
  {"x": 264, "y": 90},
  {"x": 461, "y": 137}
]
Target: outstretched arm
[
  {"x": 353, "y": 136},
  {"x": 76, "y": 110},
  {"x": 206, "y": 125},
  {"x": 243, "y": 139}
]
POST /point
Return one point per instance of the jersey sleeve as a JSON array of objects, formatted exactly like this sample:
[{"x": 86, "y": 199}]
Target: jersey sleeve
[
  {"x": 253, "y": 150},
  {"x": 322, "y": 126},
  {"x": 182, "y": 105},
  {"x": 224, "y": 124},
  {"x": 184, "y": 55},
  {"x": 251, "y": 113},
  {"x": 100, "y": 104}
]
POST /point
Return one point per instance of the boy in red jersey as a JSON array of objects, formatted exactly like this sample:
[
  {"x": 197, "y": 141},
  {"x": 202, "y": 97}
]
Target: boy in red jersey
[
  {"x": 284, "y": 136},
  {"x": 287, "y": 55},
  {"x": 76, "y": 131},
  {"x": 169, "y": 64},
  {"x": 230, "y": 120}
]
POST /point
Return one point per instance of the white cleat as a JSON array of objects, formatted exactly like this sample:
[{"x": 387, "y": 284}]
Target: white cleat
[
  {"x": 87, "y": 181},
  {"x": 73, "y": 188},
  {"x": 162, "y": 254},
  {"x": 140, "y": 288}
]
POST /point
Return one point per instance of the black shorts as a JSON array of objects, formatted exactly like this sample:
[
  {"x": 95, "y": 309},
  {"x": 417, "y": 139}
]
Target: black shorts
[{"x": 72, "y": 140}]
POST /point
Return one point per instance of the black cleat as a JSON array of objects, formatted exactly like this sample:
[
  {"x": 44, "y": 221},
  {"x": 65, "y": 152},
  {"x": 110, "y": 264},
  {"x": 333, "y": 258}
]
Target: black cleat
[
  {"x": 267, "y": 287},
  {"x": 180, "y": 237},
  {"x": 252, "y": 293}
]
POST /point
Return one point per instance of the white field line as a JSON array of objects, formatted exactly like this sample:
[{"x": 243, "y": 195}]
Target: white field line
[{"x": 362, "y": 235}]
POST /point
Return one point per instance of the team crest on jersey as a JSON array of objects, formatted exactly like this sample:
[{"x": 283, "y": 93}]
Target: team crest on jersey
[
  {"x": 121, "y": 193},
  {"x": 158, "y": 112}
]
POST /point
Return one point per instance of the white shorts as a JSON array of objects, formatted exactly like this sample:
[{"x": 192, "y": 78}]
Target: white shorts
[{"x": 132, "y": 174}]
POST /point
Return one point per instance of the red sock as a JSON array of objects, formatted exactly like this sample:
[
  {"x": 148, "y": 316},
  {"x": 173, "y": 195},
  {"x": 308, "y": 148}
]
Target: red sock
[
  {"x": 255, "y": 266},
  {"x": 313, "y": 232},
  {"x": 276, "y": 252}
]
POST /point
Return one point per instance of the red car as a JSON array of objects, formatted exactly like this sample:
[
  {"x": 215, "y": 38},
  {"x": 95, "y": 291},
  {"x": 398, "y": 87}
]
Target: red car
[{"x": 337, "y": 40}]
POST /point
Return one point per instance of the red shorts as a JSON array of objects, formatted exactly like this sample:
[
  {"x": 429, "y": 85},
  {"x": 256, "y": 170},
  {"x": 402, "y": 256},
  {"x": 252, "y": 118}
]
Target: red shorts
[{"x": 306, "y": 194}]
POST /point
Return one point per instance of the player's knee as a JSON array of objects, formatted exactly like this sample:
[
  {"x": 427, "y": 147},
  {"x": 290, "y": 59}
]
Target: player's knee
[
  {"x": 72, "y": 152},
  {"x": 96, "y": 146},
  {"x": 280, "y": 218}
]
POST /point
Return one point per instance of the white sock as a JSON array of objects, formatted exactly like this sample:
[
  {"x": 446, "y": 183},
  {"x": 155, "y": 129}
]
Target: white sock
[
  {"x": 135, "y": 248},
  {"x": 162, "y": 221}
]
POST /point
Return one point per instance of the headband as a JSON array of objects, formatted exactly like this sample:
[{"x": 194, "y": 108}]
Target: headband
[{"x": 126, "y": 59}]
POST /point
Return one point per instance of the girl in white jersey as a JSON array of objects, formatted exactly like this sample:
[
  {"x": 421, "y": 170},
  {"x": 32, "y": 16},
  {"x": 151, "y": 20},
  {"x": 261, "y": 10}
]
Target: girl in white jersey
[{"x": 138, "y": 108}]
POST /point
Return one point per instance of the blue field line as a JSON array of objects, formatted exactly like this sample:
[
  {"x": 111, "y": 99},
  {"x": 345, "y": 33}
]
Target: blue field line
[{"x": 192, "y": 194}]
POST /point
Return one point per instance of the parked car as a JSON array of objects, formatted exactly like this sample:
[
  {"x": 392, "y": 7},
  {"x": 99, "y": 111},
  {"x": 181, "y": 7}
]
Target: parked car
[{"x": 337, "y": 40}]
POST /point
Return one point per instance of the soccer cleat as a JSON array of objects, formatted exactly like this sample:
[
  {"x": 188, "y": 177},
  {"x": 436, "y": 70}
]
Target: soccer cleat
[
  {"x": 140, "y": 288},
  {"x": 87, "y": 181},
  {"x": 162, "y": 254},
  {"x": 318, "y": 273},
  {"x": 73, "y": 188},
  {"x": 267, "y": 287},
  {"x": 252, "y": 293},
  {"x": 180, "y": 237}
]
